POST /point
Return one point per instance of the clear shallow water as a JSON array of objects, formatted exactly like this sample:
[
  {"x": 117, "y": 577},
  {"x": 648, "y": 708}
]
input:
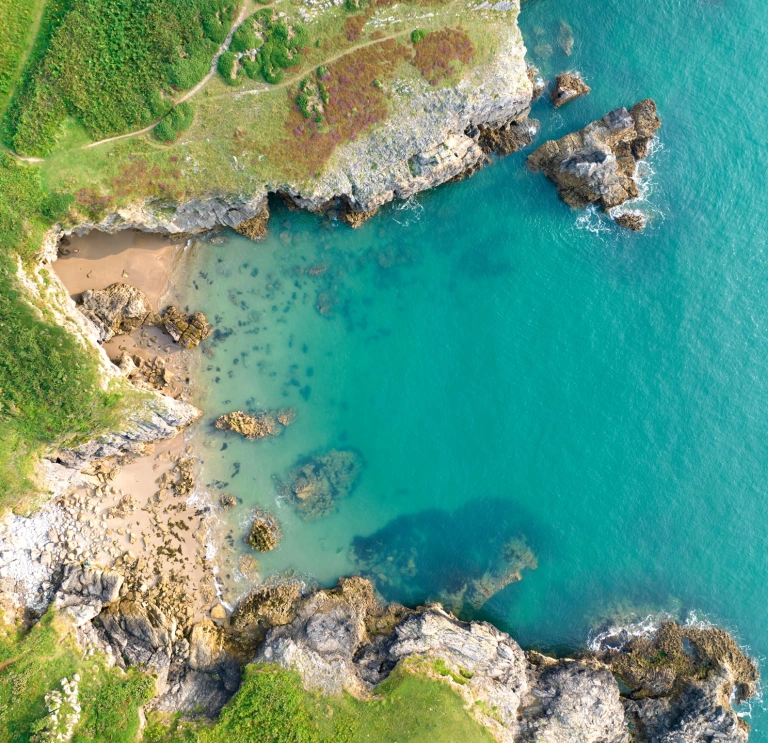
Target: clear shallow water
[{"x": 493, "y": 353}]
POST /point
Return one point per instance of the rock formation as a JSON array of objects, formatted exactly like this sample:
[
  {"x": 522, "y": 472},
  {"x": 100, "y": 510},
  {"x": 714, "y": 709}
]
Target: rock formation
[
  {"x": 597, "y": 164},
  {"x": 343, "y": 640},
  {"x": 316, "y": 483},
  {"x": 265, "y": 532},
  {"x": 632, "y": 220},
  {"x": 188, "y": 330},
  {"x": 568, "y": 87},
  {"x": 118, "y": 309},
  {"x": 256, "y": 426}
]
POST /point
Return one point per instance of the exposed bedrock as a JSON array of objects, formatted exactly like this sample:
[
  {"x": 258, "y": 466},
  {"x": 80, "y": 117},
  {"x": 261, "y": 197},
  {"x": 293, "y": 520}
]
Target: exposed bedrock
[
  {"x": 597, "y": 164},
  {"x": 678, "y": 681}
]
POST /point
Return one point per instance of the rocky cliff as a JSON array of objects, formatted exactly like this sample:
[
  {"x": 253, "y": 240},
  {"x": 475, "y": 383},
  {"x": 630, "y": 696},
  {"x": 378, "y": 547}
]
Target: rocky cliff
[
  {"x": 678, "y": 682},
  {"x": 430, "y": 136}
]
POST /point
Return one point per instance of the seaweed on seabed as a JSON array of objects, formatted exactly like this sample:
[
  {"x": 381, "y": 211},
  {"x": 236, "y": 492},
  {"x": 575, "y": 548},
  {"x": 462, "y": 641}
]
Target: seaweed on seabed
[
  {"x": 317, "y": 482},
  {"x": 461, "y": 558}
]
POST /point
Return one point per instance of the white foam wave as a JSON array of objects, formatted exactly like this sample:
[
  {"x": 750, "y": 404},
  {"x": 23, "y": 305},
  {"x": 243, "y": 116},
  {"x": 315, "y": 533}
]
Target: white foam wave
[{"x": 411, "y": 209}]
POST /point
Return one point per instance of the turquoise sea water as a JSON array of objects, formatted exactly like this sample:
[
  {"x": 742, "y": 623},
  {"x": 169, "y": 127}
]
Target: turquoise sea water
[{"x": 506, "y": 366}]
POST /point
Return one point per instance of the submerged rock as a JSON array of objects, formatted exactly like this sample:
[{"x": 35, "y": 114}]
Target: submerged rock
[
  {"x": 460, "y": 558},
  {"x": 188, "y": 330},
  {"x": 568, "y": 87},
  {"x": 597, "y": 164},
  {"x": 256, "y": 426},
  {"x": 316, "y": 483},
  {"x": 265, "y": 531},
  {"x": 116, "y": 310},
  {"x": 565, "y": 39}
]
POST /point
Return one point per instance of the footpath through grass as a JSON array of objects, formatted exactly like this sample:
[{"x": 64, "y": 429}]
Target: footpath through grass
[
  {"x": 17, "y": 23},
  {"x": 273, "y": 707},
  {"x": 115, "y": 65},
  {"x": 33, "y": 664}
]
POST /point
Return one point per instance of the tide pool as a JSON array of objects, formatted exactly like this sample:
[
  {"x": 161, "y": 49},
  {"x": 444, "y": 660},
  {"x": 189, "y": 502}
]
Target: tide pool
[{"x": 509, "y": 369}]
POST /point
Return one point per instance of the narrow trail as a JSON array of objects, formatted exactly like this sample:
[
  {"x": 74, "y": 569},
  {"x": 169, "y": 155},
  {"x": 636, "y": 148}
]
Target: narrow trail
[
  {"x": 211, "y": 72},
  {"x": 289, "y": 81}
]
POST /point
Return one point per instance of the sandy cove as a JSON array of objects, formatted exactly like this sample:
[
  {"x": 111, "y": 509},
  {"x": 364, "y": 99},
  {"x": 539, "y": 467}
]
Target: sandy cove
[{"x": 141, "y": 513}]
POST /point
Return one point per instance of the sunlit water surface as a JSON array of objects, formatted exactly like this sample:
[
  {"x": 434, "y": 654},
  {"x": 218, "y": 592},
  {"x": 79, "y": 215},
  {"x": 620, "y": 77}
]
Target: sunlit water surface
[{"x": 507, "y": 367}]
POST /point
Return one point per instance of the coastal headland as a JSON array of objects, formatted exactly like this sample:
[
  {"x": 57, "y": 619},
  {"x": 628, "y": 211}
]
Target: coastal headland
[{"x": 112, "y": 559}]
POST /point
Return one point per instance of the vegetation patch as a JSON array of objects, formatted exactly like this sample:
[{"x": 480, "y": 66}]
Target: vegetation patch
[
  {"x": 273, "y": 707},
  {"x": 16, "y": 22},
  {"x": 354, "y": 103},
  {"x": 114, "y": 65},
  {"x": 178, "y": 120},
  {"x": 440, "y": 54},
  {"x": 263, "y": 45},
  {"x": 49, "y": 384},
  {"x": 33, "y": 665}
]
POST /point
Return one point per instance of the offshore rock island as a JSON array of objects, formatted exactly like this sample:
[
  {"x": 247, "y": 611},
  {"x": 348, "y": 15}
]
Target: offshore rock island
[{"x": 119, "y": 593}]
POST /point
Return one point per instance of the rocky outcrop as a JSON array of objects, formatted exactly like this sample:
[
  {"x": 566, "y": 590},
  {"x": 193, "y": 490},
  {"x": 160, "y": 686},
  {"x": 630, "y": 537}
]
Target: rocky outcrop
[
  {"x": 257, "y": 426},
  {"x": 188, "y": 330},
  {"x": 161, "y": 417},
  {"x": 632, "y": 220},
  {"x": 265, "y": 531},
  {"x": 116, "y": 310},
  {"x": 316, "y": 483},
  {"x": 568, "y": 87},
  {"x": 680, "y": 692},
  {"x": 597, "y": 164}
]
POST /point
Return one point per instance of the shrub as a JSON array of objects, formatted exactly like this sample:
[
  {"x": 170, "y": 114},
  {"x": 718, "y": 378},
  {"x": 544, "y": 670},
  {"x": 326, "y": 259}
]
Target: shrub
[
  {"x": 417, "y": 35},
  {"x": 228, "y": 68},
  {"x": 244, "y": 39},
  {"x": 110, "y": 62}
]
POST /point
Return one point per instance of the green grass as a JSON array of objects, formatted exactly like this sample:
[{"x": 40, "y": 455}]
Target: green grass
[
  {"x": 273, "y": 707},
  {"x": 113, "y": 64},
  {"x": 32, "y": 664},
  {"x": 17, "y": 21},
  {"x": 49, "y": 384}
]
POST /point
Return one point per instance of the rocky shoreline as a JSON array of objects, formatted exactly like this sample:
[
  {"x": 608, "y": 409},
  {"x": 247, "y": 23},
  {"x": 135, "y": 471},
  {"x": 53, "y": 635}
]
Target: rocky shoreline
[{"x": 678, "y": 682}]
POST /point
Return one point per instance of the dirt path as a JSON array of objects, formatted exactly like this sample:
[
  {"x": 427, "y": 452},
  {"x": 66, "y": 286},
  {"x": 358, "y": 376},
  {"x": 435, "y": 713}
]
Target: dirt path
[{"x": 214, "y": 64}]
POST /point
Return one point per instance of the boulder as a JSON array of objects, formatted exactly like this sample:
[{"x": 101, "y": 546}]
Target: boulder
[
  {"x": 188, "y": 330},
  {"x": 265, "y": 531},
  {"x": 597, "y": 164},
  {"x": 116, "y": 310},
  {"x": 568, "y": 87},
  {"x": 631, "y": 220}
]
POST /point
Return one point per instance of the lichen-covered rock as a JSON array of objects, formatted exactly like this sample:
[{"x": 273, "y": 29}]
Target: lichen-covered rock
[
  {"x": 316, "y": 483},
  {"x": 568, "y": 87},
  {"x": 265, "y": 531},
  {"x": 116, "y": 310},
  {"x": 256, "y": 426},
  {"x": 188, "y": 330},
  {"x": 597, "y": 164}
]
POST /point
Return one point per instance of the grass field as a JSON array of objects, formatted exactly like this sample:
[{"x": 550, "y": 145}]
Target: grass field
[
  {"x": 273, "y": 707},
  {"x": 18, "y": 23},
  {"x": 33, "y": 663},
  {"x": 49, "y": 384}
]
